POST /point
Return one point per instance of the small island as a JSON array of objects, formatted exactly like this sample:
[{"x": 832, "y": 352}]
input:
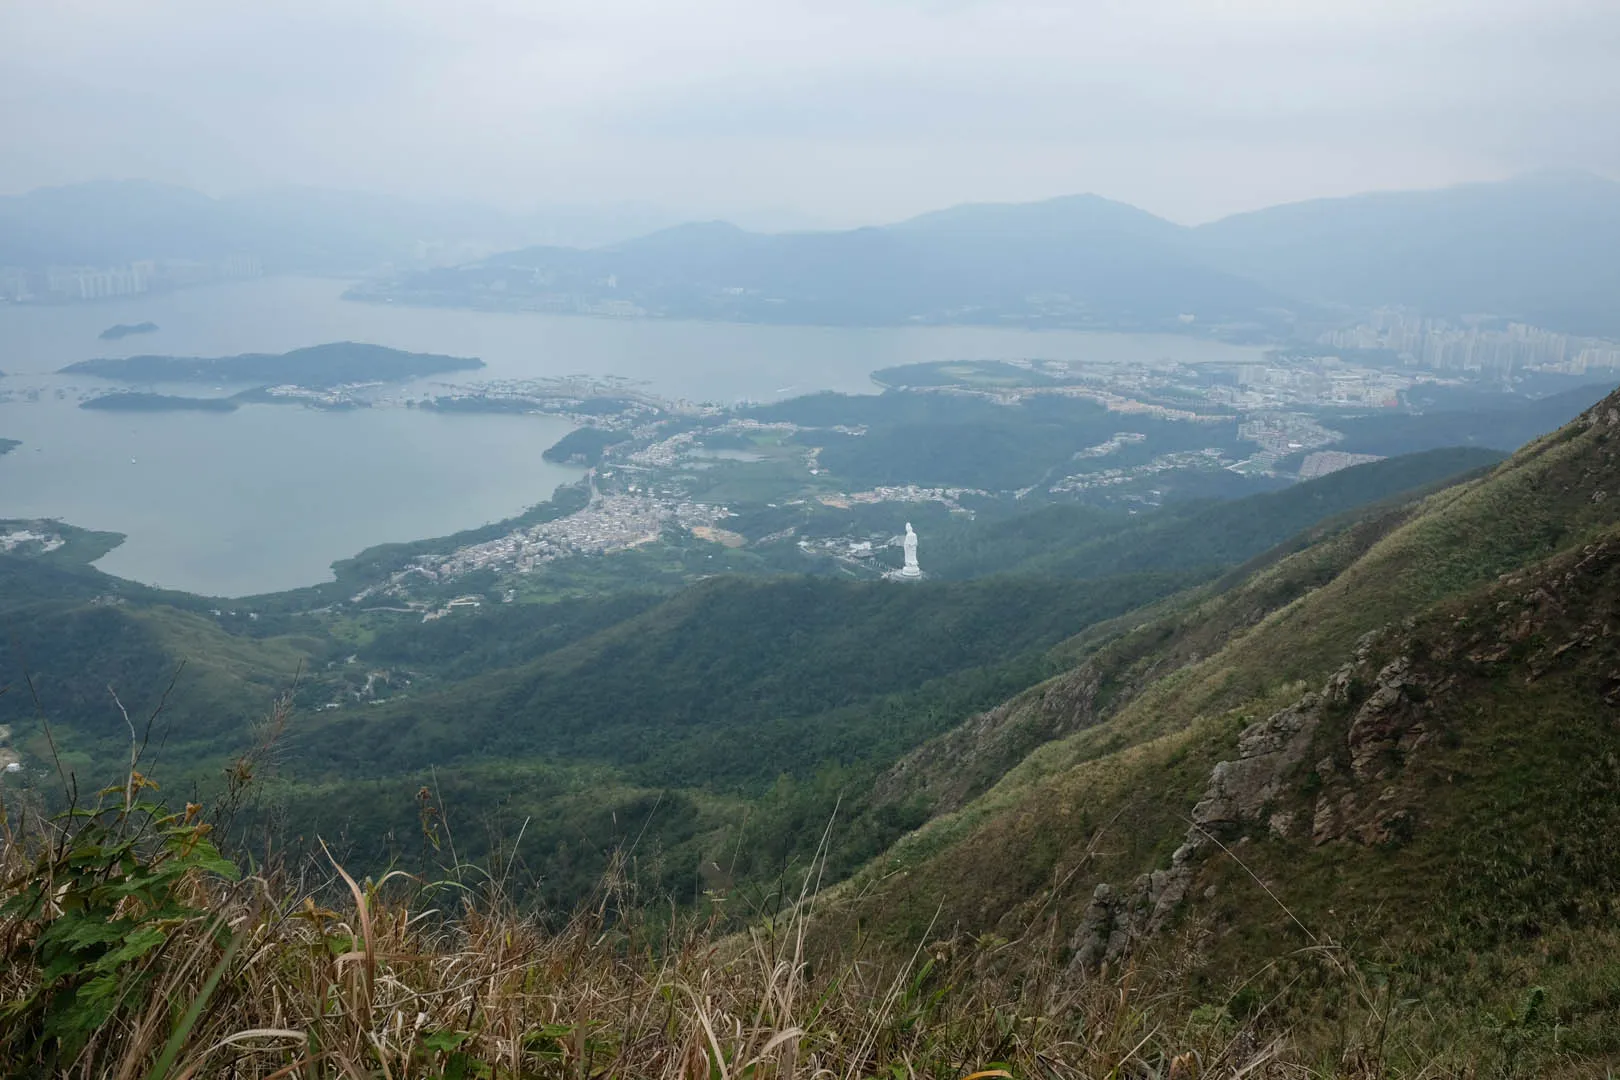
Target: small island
[
  {"x": 124, "y": 330},
  {"x": 8, "y": 445},
  {"x": 133, "y": 401},
  {"x": 318, "y": 366}
]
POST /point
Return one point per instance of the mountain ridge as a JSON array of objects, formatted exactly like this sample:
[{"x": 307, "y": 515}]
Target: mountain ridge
[{"x": 1530, "y": 249}]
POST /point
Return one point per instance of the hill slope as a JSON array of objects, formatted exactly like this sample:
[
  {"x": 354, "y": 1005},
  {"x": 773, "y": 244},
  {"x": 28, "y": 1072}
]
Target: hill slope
[
  {"x": 606, "y": 715},
  {"x": 1406, "y": 731}
]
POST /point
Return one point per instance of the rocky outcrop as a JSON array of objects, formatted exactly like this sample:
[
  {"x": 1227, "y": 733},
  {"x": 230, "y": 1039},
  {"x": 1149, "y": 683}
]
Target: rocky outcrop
[
  {"x": 1389, "y": 721},
  {"x": 1116, "y": 919},
  {"x": 1261, "y": 786},
  {"x": 1239, "y": 790},
  {"x": 1336, "y": 766}
]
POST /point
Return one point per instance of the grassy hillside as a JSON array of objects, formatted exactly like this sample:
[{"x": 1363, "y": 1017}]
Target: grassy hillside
[
  {"x": 79, "y": 644},
  {"x": 1389, "y": 750},
  {"x": 152, "y": 955}
]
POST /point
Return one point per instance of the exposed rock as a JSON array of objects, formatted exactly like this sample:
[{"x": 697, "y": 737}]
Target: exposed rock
[
  {"x": 1282, "y": 824},
  {"x": 1116, "y": 919},
  {"x": 1267, "y": 753},
  {"x": 1387, "y": 828},
  {"x": 1241, "y": 792},
  {"x": 1103, "y": 935},
  {"x": 1389, "y": 719}
]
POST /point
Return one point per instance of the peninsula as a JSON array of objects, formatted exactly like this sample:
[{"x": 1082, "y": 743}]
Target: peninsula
[
  {"x": 124, "y": 330},
  {"x": 333, "y": 364},
  {"x": 8, "y": 445}
]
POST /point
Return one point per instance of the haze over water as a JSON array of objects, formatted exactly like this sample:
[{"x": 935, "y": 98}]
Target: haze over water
[{"x": 268, "y": 497}]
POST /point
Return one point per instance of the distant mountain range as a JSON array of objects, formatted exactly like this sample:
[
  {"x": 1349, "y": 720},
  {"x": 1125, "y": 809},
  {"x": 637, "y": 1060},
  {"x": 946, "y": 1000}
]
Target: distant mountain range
[
  {"x": 1081, "y": 260},
  {"x": 1539, "y": 248},
  {"x": 1534, "y": 249}
]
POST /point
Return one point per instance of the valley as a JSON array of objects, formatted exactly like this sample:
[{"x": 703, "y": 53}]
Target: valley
[
  {"x": 787, "y": 541},
  {"x": 1260, "y": 679}
]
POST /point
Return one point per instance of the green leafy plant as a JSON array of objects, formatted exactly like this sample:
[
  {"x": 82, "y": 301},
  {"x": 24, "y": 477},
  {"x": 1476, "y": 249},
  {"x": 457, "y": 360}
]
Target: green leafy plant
[
  {"x": 1518, "y": 1031},
  {"x": 102, "y": 897}
]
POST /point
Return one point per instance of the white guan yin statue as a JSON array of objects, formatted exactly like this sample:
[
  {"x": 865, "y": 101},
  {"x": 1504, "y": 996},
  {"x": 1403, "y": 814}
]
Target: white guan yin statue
[{"x": 911, "y": 569}]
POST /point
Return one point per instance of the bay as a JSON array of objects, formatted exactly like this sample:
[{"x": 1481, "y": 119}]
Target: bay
[{"x": 268, "y": 497}]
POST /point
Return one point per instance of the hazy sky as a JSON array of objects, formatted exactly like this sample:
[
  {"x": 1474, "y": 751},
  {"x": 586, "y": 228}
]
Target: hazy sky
[{"x": 848, "y": 111}]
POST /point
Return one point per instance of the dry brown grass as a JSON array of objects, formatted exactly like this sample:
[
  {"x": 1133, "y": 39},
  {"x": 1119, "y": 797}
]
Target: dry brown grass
[
  {"x": 257, "y": 981},
  {"x": 130, "y": 951}
]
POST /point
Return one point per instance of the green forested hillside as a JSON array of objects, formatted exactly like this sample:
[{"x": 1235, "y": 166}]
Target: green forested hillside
[
  {"x": 732, "y": 652},
  {"x": 724, "y": 716},
  {"x": 671, "y": 722},
  {"x": 1381, "y": 745},
  {"x": 71, "y": 638},
  {"x": 825, "y": 682},
  {"x": 974, "y": 442},
  {"x": 1072, "y": 540},
  {"x": 1501, "y": 425}
]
